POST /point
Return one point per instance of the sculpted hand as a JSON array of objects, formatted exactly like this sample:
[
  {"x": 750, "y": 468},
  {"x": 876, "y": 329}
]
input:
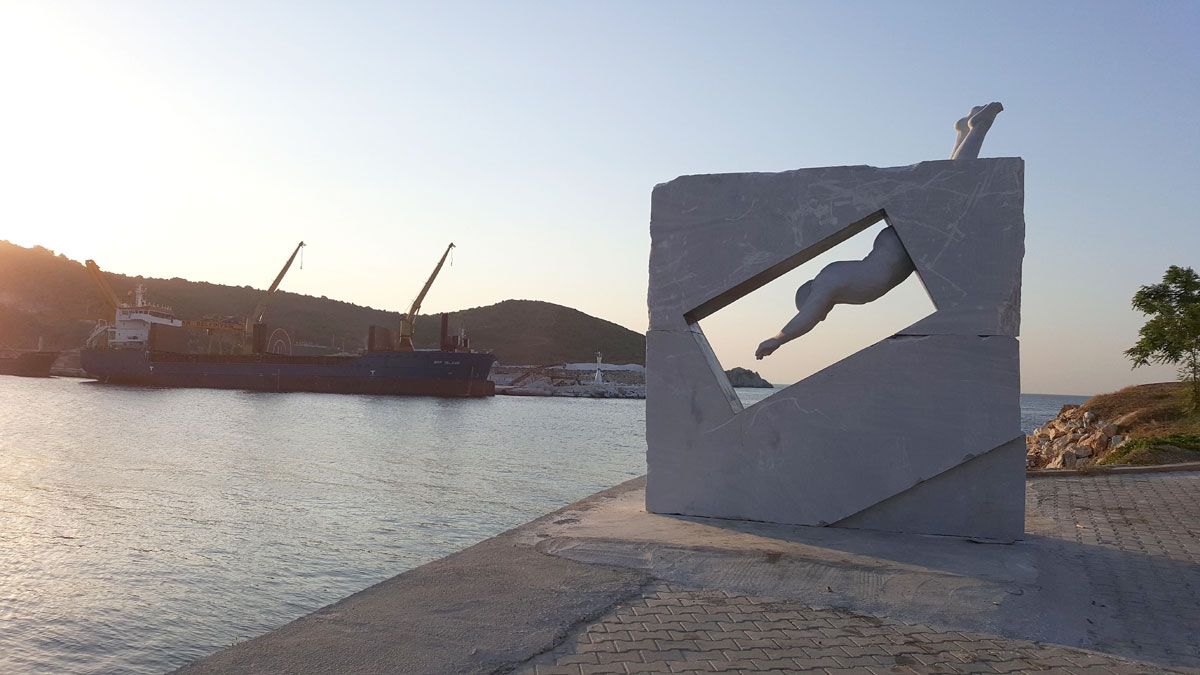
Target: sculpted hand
[{"x": 767, "y": 347}]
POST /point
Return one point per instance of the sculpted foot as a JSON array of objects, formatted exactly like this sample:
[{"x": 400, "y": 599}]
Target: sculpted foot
[
  {"x": 982, "y": 116},
  {"x": 978, "y": 123}
]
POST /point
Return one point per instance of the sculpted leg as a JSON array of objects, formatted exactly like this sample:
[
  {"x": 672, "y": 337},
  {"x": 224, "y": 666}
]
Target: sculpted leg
[{"x": 961, "y": 129}]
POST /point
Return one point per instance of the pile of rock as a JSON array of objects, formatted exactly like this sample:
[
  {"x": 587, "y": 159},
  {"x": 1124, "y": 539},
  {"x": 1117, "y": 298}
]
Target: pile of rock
[{"x": 1075, "y": 438}]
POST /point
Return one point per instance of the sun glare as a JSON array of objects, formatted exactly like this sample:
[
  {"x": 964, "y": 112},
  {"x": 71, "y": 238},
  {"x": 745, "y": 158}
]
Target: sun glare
[{"x": 95, "y": 143}]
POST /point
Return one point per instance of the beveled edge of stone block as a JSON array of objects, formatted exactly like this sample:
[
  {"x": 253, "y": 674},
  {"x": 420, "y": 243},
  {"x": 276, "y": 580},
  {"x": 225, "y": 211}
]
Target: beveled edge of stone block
[
  {"x": 981, "y": 498},
  {"x": 699, "y": 448}
]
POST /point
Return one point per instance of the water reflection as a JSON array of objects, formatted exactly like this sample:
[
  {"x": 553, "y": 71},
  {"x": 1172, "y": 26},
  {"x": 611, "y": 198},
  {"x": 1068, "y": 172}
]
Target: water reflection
[{"x": 141, "y": 529}]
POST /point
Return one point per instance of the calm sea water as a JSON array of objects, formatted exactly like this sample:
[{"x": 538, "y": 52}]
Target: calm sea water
[
  {"x": 1036, "y": 409},
  {"x": 142, "y": 529}
]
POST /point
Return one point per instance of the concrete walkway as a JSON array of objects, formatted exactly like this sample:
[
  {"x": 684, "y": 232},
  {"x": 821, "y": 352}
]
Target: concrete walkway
[{"x": 1107, "y": 580}]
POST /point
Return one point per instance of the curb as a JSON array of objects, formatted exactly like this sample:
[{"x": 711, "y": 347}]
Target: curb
[{"x": 1117, "y": 468}]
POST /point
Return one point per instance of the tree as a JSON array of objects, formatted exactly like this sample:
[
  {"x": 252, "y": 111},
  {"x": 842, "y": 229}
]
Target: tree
[{"x": 1172, "y": 335}]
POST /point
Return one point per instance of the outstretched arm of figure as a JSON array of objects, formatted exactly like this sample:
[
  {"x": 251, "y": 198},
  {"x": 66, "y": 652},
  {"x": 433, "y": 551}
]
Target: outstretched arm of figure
[{"x": 799, "y": 325}]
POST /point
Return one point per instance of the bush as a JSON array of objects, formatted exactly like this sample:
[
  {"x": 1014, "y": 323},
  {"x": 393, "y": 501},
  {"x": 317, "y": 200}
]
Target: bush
[{"x": 1146, "y": 448}]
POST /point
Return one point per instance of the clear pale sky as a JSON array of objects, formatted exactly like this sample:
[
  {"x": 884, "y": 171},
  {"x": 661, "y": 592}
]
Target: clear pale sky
[{"x": 203, "y": 139}]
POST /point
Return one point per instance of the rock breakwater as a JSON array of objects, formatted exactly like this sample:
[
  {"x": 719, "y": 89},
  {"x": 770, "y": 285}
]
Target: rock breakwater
[
  {"x": 1144, "y": 424},
  {"x": 1074, "y": 438}
]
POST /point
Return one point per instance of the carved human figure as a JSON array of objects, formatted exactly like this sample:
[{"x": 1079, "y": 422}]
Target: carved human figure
[{"x": 857, "y": 282}]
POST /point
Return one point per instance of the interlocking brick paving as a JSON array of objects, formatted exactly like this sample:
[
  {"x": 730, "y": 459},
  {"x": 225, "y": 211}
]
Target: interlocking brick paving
[
  {"x": 1155, "y": 514},
  {"x": 1134, "y": 536},
  {"x": 673, "y": 630}
]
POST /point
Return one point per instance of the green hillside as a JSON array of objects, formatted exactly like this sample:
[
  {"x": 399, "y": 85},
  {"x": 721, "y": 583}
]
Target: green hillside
[{"x": 50, "y": 296}]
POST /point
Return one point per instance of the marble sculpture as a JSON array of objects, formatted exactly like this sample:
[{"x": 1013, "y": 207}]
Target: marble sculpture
[{"x": 919, "y": 432}]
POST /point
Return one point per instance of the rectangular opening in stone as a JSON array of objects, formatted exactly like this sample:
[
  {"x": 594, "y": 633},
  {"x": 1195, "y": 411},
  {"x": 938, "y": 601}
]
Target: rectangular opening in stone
[
  {"x": 735, "y": 332},
  {"x": 775, "y": 271}
]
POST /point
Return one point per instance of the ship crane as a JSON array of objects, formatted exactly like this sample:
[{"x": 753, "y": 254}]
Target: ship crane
[
  {"x": 405, "y": 344},
  {"x": 102, "y": 285},
  {"x": 257, "y": 315}
]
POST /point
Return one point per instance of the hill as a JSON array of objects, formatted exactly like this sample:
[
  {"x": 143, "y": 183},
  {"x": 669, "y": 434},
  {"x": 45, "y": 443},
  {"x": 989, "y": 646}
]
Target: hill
[
  {"x": 43, "y": 295},
  {"x": 1144, "y": 424}
]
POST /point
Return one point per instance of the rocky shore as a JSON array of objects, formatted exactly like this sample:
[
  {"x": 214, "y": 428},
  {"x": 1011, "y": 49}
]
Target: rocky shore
[
  {"x": 1074, "y": 438},
  {"x": 587, "y": 390},
  {"x": 571, "y": 380},
  {"x": 577, "y": 380},
  {"x": 1141, "y": 425}
]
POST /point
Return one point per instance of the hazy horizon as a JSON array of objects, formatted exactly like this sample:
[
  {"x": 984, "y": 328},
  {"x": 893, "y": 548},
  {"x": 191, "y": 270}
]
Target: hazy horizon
[
  {"x": 203, "y": 141},
  {"x": 892, "y": 310}
]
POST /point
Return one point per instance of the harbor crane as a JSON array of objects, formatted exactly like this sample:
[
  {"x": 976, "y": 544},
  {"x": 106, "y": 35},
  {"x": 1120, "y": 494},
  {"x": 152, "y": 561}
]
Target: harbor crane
[
  {"x": 404, "y": 343},
  {"x": 257, "y": 315},
  {"x": 110, "y": 296},
  {"x": 114, "y": 302}
]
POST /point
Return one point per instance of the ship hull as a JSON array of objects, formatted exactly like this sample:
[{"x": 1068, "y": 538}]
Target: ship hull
[
  {"x": 28, "y": 364},
  {"x": 416, "y": 373}
]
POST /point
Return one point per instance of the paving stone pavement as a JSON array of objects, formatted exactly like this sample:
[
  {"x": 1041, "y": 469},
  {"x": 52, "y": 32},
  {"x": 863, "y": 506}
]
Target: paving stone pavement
[
  {"x": 1135, "y": 536},
  {"x": 672, "y": 630}
]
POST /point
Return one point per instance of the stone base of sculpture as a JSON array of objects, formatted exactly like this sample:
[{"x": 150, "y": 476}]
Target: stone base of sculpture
[{"x": 917, "y": 433}]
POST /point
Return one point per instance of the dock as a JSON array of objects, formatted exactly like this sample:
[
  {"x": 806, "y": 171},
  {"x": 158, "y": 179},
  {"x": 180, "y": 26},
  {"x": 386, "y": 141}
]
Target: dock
[{"x": 1107, "y": 579}]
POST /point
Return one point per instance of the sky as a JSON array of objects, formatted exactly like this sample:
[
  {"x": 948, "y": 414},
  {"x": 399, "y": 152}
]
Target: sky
[{"x": 204, "y": 139}]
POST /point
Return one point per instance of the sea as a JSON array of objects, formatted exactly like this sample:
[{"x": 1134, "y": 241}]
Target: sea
[{"x": 141, "y": 529}]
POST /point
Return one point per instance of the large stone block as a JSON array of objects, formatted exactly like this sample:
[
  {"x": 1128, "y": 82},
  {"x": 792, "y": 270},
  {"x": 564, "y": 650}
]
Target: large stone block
[
  {"x": 716, "y": 238},
  {"x": 974, "y": 499},
  {"x": 861, "y": 431},
  {"x": 888, "y": 438}
]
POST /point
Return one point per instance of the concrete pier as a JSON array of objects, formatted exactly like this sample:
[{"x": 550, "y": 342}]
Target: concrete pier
[{"x": 1106, "y": 580}]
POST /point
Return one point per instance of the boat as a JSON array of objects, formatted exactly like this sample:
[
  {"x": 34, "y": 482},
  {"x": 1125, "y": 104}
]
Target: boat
[
  {"x": 426, "y": 372},
  {"x": 146, "y": 346},
  {"x": 27, "y": 363}
]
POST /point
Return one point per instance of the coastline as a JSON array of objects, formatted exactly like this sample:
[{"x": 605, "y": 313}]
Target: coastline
[
  {"x": 487, "y": 608},
  {"x": 533, "y": 598}
]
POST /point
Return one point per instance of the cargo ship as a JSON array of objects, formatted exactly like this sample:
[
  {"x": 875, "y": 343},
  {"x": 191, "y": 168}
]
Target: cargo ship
[
  {"x": 27, "y": 364},
  {"x": 146, "y": 346},
  {"x": 419, "y": 372}
]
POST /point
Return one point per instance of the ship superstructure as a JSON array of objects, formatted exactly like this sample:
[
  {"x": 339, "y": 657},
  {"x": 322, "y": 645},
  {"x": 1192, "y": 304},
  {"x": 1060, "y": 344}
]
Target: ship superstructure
[{"x": 133, "y": 325}]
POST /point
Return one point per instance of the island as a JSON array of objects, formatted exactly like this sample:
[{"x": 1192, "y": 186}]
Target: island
[{"x": 743, "y": 377}]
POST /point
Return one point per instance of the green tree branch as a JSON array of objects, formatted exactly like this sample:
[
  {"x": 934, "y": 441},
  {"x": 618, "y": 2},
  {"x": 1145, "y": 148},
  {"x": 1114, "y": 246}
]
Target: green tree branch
[{"x": 1172, "y": 334}]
